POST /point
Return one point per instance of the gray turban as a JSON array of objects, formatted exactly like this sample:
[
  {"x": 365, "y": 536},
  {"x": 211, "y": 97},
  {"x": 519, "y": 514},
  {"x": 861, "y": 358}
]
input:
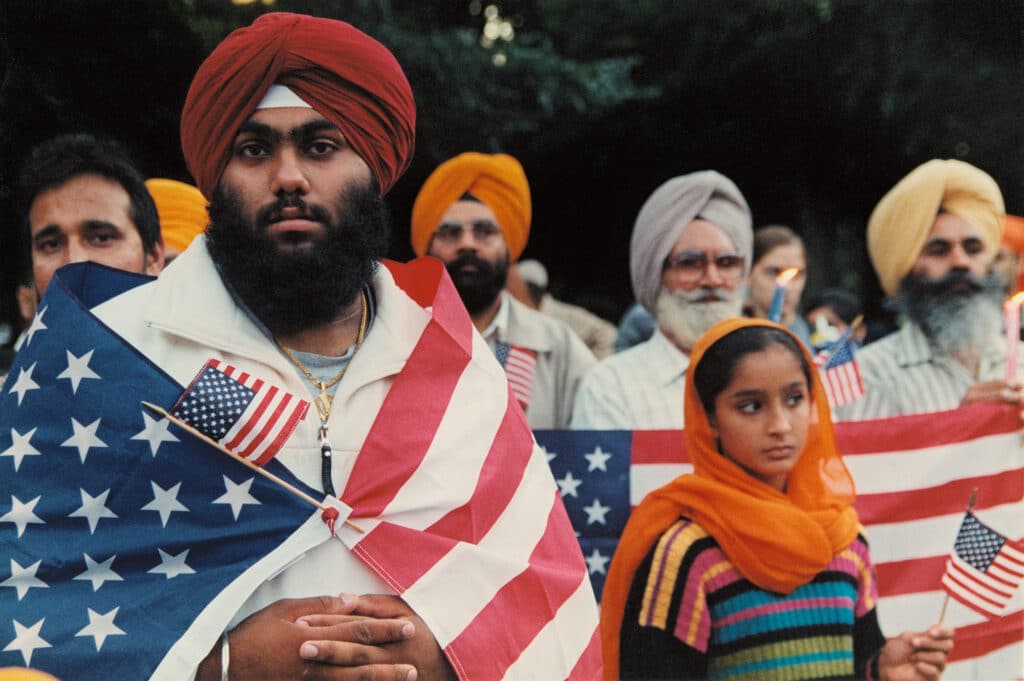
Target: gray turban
[{"x": 705, "y": 195}]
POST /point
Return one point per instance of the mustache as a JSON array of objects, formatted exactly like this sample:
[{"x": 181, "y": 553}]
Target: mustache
[
  {"x": 470, "y": 259},
  {"x": 706, "y": 294},
  {"x": 274, "y": 212},
  {"x": 955, "y": 278}
]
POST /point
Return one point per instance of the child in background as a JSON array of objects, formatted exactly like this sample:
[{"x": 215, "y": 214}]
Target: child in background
[
  {"x": 753, "y": 567},
  {"x": 778, "y": 248}
]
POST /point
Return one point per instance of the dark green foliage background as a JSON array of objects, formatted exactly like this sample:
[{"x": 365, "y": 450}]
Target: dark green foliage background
[{"x": 814, "y": 107}]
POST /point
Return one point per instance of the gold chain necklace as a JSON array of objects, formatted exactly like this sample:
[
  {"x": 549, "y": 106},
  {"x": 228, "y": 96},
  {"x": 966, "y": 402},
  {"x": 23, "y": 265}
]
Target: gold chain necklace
[{"x": 324, "y": 399}]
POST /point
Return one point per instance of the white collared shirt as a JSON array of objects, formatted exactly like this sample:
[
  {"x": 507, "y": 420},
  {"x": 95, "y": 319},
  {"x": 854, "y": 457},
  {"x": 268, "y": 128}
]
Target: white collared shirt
[{"x": 638, "y": 389}]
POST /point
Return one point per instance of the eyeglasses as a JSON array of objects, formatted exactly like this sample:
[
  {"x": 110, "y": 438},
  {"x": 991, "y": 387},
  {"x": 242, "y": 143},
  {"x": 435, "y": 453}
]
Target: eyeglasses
[
  {"x": 692, "y": 265},
  {"x": 482, "y": 230}
]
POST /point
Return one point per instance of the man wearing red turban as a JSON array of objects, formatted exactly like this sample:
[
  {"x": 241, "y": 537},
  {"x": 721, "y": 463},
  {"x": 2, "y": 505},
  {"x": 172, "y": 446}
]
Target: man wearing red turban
[
  {"x": 293, "y": 128},
  {"x": 473, "y": 214}
]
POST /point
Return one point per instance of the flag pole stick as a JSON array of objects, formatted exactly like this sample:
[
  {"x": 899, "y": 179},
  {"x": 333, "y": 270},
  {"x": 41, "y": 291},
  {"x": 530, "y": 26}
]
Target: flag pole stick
[
  {"x": 970, "y": 506},
  {"x": 249, "y": 464}
]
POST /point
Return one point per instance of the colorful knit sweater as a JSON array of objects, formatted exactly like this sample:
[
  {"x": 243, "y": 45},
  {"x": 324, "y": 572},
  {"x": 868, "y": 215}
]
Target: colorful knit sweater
[{"x": 692, "y": 615}]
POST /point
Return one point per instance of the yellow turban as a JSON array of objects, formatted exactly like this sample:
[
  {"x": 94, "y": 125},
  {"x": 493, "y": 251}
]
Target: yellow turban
[
  {"x": 20, "y": 674},
  {"x": 900, "y": 223},
  {"x": 495, "y": 179},
  {"x": 182, "y": 211}
]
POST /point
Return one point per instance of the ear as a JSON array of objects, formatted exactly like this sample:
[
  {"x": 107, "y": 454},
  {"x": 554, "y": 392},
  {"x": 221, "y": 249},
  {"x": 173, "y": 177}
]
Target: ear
[
  {"x": 714, "y": 425},
  {"x": 28, "y": 301},
  {"x": 154, "y": 262}
]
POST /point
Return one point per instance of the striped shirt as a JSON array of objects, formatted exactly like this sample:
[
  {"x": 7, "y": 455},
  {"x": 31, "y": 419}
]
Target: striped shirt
[
  {"x": 637, "y": 389},
  {"x": 903, "y": 374},
  {"x": 691, "y": 614}
]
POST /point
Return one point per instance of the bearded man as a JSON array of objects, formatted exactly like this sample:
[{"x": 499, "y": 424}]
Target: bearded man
[
  {"x": 689, "y": 262},
  {"x": 295, "y": 127},
  {"x": 932, "y": 240},
  {"x": 473, "y": 214}
]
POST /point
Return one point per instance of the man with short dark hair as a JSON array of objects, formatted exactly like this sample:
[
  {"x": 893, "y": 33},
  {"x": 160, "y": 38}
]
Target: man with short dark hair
[
  {"x": 81, "y": 199},
  {"x": 295, "y": 127}
]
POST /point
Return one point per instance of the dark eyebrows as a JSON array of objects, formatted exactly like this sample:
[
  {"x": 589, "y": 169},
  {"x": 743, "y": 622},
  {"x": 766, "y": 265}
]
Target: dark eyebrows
[
  {"x": 739, "y": 394},
  {"x": 301, "y": 132},
  {"x": 307, "y": 130},
  {"x": 94, "y": 225},
  {"x": 251, "y": 127},
  {"x": 46, "y": 232}
]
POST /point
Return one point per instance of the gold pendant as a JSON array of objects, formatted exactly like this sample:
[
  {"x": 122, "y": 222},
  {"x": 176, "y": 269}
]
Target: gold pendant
[{"x": 323, "y": 406}]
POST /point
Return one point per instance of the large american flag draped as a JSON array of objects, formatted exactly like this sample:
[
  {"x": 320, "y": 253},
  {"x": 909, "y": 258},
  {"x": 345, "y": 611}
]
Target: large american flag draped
[
  {"x": 460, "y": 515},
  {"x": 118, "y": 530},
  {"x": 492, "y": 566},
  {"x": 914, "y": 477}
]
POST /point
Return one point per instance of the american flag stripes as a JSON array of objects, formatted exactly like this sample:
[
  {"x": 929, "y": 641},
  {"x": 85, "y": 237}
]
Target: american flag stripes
[
  {"x": 840, "y": 374},
  {"x": 520, "y": 365},
  {"x": 913, "y": 476},
  {"x": 250, "y": 417},
  {"x": 483, "y": 557},
  {"x": 985, "y": 568},
  {"x": 459, "y": 512}
]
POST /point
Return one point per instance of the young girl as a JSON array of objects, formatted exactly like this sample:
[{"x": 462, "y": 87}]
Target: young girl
[{"x": 753, "y": 566}]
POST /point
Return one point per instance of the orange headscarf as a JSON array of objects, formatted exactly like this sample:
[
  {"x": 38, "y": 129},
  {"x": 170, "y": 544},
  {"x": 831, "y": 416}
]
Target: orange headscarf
[
  {"x": 182, "y": 211},
  {"x": 497, "y": 180},
  {"x": 777, "y": 540}
]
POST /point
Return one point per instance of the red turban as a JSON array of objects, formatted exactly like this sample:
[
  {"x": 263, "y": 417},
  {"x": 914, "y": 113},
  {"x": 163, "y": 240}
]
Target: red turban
[{"x": 348, "y": 77}]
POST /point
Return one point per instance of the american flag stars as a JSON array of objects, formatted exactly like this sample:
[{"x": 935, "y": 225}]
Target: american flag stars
[{"x": 116, "y": 530}]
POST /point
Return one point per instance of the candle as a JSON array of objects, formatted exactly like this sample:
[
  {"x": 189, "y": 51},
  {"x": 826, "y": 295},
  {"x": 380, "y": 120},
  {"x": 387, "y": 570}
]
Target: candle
[
  {"x": 1011, "y": 314},
  {"x": 781, "y": 282}
]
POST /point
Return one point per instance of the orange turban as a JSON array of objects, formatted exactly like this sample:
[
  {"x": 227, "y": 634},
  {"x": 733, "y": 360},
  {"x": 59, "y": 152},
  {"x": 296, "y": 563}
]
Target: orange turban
[
  {"x": 1013, "y": 238},
  {"x": 497, "y": 180},
  {"x": 345, "y": 75},
  {"x": 182, "y": 211},
  {"x": 902, "y": 220}
]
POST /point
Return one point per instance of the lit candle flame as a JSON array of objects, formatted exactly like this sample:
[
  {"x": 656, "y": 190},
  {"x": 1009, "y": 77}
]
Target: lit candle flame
[
  {"x": 1017, "y": 298},
  {"x": 786, "y": 276}
]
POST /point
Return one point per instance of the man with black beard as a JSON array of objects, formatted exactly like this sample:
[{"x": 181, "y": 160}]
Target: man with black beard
[
  {"x": 295, "y": 126},
  {"x": 932, "y": 241},
  {"x": 689, "y": 259},
  {"x": 473, "y": 213}
]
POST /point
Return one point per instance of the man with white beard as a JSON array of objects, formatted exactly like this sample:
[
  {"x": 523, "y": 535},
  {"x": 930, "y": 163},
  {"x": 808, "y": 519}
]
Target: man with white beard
[
  {"x": 689, "y": 262},
  {"x": 932, "y": 240}
]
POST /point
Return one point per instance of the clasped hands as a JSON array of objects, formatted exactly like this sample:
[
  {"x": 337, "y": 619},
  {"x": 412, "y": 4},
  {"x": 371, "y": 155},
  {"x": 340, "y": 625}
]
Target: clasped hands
[{"x": 331, "y": 638}]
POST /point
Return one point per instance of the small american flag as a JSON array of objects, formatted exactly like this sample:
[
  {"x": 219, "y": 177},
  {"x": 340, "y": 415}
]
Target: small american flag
[
  {"x": 840, "y": 374},
  {"x": 250, "y": 417},
  {"x": 985, "y": 568},
  {"x": 520, "y": 365}
]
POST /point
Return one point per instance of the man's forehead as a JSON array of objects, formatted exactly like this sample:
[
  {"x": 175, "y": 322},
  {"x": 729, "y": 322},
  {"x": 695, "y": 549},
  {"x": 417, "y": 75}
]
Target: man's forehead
[
  {"x": 465, "y": 210},
  {"x": 951, "y": 227},
  {"x": 702, "y": 235},
  {"x": 284, "y": 119}
]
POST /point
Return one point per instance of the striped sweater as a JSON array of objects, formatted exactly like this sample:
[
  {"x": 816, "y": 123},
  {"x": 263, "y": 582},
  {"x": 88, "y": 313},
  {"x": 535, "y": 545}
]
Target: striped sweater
[{"x": 692, "y": 615}]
